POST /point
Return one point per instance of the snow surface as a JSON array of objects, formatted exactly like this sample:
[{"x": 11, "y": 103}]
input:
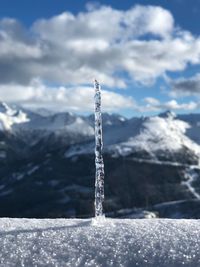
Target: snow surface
[{"x": 107, "y": 242}]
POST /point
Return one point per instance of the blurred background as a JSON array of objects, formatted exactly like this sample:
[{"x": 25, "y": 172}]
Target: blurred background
[{"x": 146, "y": 56}]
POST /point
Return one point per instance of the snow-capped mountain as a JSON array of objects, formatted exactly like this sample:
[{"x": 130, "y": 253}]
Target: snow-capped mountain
[
  {"x": 42, "y": 119},
  {"x": 194, "y": 121},
  {"x": 151, "y": 163},
  {"x": 159, "y": 136},
  {"x": 10, "y": 117},
  {"x": 19, "y": 121},
  {"x": 163, "y": 136}
]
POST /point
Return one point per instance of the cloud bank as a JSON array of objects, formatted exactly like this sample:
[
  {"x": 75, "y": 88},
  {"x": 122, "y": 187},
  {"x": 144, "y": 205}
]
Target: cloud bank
[
  {"x": 103, "y": 43},
  {"x": 153, "y": 104},
  {"x": 80, "y": 98}
]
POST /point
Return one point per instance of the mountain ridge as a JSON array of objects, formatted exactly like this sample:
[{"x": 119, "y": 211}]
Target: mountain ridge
[{"x": 47, "y": 165}]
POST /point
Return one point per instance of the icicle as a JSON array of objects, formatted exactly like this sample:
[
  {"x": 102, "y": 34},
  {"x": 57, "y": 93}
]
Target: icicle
[{"x": 99, "y": 182}]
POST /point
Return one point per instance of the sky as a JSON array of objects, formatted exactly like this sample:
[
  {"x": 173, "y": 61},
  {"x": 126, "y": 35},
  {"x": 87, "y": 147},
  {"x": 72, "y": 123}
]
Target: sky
[{"x": 145, "y": 54}]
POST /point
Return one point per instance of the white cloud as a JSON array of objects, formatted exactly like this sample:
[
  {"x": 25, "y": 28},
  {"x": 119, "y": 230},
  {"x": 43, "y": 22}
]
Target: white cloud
[
  {"x": 152, "y": 101},
  {"x": 81, "y": 99},
  {"x": 172, "y": 104},
  {"x": 153, "y": 104},
  {"x": 73, "y": 49},
  {"x": 149, "y": 19},
  {"x": 38, "y": 95}
]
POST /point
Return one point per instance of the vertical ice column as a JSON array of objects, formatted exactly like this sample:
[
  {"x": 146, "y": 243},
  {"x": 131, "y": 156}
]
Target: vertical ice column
[{"x": 99, "y": 179}]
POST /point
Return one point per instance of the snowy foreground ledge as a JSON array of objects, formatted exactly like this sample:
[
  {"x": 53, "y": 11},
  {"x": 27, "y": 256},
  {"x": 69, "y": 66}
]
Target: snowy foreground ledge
[{"x": 115, "y": 242}]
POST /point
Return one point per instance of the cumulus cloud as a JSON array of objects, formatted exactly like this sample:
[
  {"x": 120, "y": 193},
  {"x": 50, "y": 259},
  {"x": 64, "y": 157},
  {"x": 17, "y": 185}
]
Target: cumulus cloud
[
  {"x": 184, "y": 87},
  {"x": 73, "y": 49},
  {"x": 61, "y": 98},
  {"x": 153, "y": 104}
]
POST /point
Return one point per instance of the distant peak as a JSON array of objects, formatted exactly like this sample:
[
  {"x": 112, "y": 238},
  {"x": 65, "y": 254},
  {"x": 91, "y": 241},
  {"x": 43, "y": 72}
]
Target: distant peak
[
  {"x": 3, "y": 106},
  {"x": 167, "y": 114}
]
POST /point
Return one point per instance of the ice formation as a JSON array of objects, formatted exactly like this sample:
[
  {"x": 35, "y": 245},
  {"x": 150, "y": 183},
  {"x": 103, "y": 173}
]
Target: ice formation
[{"x": 99, "y": 181}]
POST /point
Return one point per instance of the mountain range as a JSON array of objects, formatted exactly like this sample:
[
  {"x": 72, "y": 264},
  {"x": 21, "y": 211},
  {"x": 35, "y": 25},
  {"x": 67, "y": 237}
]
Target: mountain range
[{"x": 47, "y": 164}]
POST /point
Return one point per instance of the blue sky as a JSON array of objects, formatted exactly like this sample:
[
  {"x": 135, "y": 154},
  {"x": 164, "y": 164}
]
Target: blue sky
[
  {"x": 146, "y": 54},
  {"x": 186, "y": 12}
]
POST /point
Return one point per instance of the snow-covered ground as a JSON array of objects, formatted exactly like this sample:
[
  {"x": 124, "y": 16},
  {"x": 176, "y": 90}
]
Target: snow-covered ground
[{"x": 110, "y": 242}]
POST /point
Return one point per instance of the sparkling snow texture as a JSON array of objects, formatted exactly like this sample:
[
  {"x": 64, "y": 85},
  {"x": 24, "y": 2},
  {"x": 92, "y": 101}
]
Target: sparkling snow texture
[{"x": 107, "y": 242}]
